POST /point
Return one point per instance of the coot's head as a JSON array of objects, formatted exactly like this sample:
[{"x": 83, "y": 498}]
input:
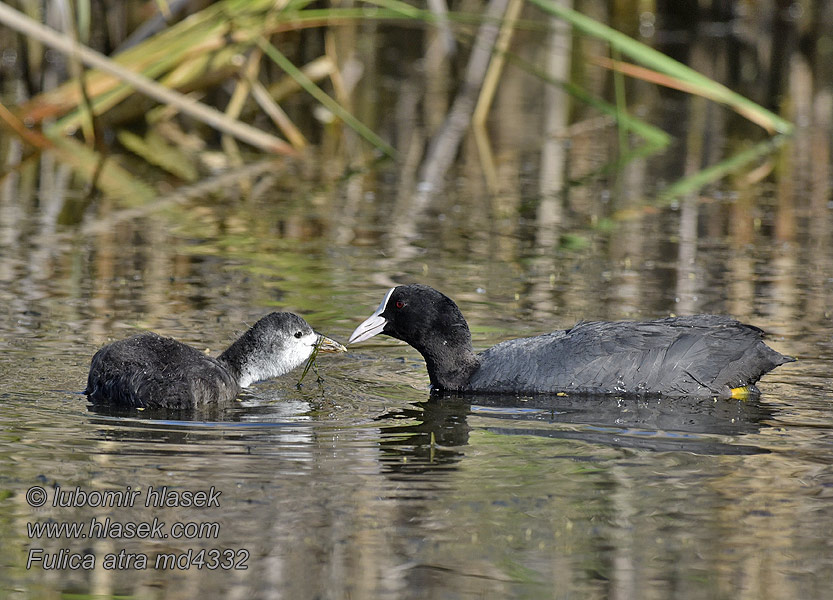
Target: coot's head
[
  {"x": 275, "y": 345},
  {"x": 419, "y": 315}
]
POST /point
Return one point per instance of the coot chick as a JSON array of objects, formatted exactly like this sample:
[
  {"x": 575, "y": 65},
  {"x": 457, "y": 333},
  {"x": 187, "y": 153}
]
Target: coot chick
[
  {"x": 696, "y": 356},
  {"x": 150, "y": 371}
]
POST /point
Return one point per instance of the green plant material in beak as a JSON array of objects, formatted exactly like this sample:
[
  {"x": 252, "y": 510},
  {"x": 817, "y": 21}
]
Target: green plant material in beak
[{"x": 324, "y": 345}]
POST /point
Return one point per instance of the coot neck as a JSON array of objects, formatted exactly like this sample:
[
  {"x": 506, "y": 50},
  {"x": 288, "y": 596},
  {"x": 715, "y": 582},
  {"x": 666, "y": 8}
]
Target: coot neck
[
  {"x": 449, "y": 357},
  {"x": 236, "y": 357}
]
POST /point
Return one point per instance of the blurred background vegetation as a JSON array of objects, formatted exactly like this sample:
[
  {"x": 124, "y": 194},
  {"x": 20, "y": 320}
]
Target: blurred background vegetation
[
  {"x": 180, "y": 84},
  {"x": 481, "y": 133}
]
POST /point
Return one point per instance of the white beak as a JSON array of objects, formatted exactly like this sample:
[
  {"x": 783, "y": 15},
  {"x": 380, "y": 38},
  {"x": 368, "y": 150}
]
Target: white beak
[{"x": 373, "y": 325}]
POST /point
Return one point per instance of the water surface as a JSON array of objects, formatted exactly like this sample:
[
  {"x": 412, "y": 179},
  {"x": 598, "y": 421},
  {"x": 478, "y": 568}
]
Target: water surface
[{"x": 361, "y": 485}]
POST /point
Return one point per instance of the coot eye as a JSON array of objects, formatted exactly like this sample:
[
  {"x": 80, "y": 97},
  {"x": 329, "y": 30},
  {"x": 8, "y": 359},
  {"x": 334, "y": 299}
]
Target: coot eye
[
  {"x": 299, "y": 335},
  {"x": 399, "y": 304}
]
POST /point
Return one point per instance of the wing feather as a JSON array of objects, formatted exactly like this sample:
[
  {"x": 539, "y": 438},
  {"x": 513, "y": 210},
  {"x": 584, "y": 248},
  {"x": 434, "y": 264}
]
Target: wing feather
[{"x": 704, "y": 355}]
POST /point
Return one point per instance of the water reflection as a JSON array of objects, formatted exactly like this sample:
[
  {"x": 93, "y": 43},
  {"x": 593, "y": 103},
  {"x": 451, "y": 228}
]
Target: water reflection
[
  {"x": 263, "y": 409},
  {"x": 424, "y": 436},
  {"x": 443, "y": 425}
]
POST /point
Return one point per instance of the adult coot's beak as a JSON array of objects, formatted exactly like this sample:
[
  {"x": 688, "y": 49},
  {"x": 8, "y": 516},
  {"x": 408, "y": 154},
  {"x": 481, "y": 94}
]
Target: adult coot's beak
[
  {"x": 373, "y": 325},
  {"x": 325, "y": 344}
]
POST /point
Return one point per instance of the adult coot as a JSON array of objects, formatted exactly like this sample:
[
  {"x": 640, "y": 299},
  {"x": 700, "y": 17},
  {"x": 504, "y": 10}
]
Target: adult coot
[
  {"x": 150, "y": 371},
  {"x": 701, "y": 355}
]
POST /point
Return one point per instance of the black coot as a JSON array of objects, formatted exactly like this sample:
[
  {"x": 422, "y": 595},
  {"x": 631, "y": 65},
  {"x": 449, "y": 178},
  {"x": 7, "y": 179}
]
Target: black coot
[
  {"x": 150, "y": 371},
  {"x": 701, "y": 355}
]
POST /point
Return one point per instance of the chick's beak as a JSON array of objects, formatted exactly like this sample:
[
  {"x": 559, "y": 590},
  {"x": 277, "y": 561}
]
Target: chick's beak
[{"x": 328, "y": 345}]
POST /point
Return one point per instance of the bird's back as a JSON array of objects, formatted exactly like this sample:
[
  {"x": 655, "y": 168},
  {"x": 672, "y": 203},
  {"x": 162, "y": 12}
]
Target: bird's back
[
  {"x": 701, "y": 355},
  {"x": 148, "y": 370}
]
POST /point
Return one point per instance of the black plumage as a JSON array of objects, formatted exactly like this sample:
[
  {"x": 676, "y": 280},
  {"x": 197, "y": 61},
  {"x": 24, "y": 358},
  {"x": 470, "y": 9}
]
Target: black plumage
[
  {"x": 700, "y": 355},
  {"x": 150, "y": 371}
]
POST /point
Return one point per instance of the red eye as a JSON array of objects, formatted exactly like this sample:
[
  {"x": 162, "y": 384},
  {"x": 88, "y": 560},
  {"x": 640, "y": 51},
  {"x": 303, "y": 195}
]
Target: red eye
[{"x": 399, "y": 304}]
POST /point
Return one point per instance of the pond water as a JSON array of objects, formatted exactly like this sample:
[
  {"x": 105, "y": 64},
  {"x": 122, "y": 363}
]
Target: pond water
[{"x": 358, "y": 484}]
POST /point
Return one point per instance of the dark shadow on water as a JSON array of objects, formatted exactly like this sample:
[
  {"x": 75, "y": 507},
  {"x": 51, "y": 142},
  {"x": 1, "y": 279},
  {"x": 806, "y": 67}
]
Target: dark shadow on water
[
  {"x": 208, "y": 413},
  {"x": 432, "y": 435},
  {"x": 657, "y": 424},
  {"x": 175, "y": 431},
  {"x": 269, "y": 407}
]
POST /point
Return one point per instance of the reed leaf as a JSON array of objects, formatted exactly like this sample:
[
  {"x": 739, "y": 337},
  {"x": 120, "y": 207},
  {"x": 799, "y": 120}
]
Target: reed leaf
[
  {"x": 155, "y": 150},
  {"x": 113, "y": 180},
  {"x": 654, "y": 136},
  {"x": 732, "y": 164},
  {"x": 658, "y": 61},
  {"x": 693, "y": 183},
  {"x": 201, "y": 112},
  {"x": 316, "y": 92}
]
